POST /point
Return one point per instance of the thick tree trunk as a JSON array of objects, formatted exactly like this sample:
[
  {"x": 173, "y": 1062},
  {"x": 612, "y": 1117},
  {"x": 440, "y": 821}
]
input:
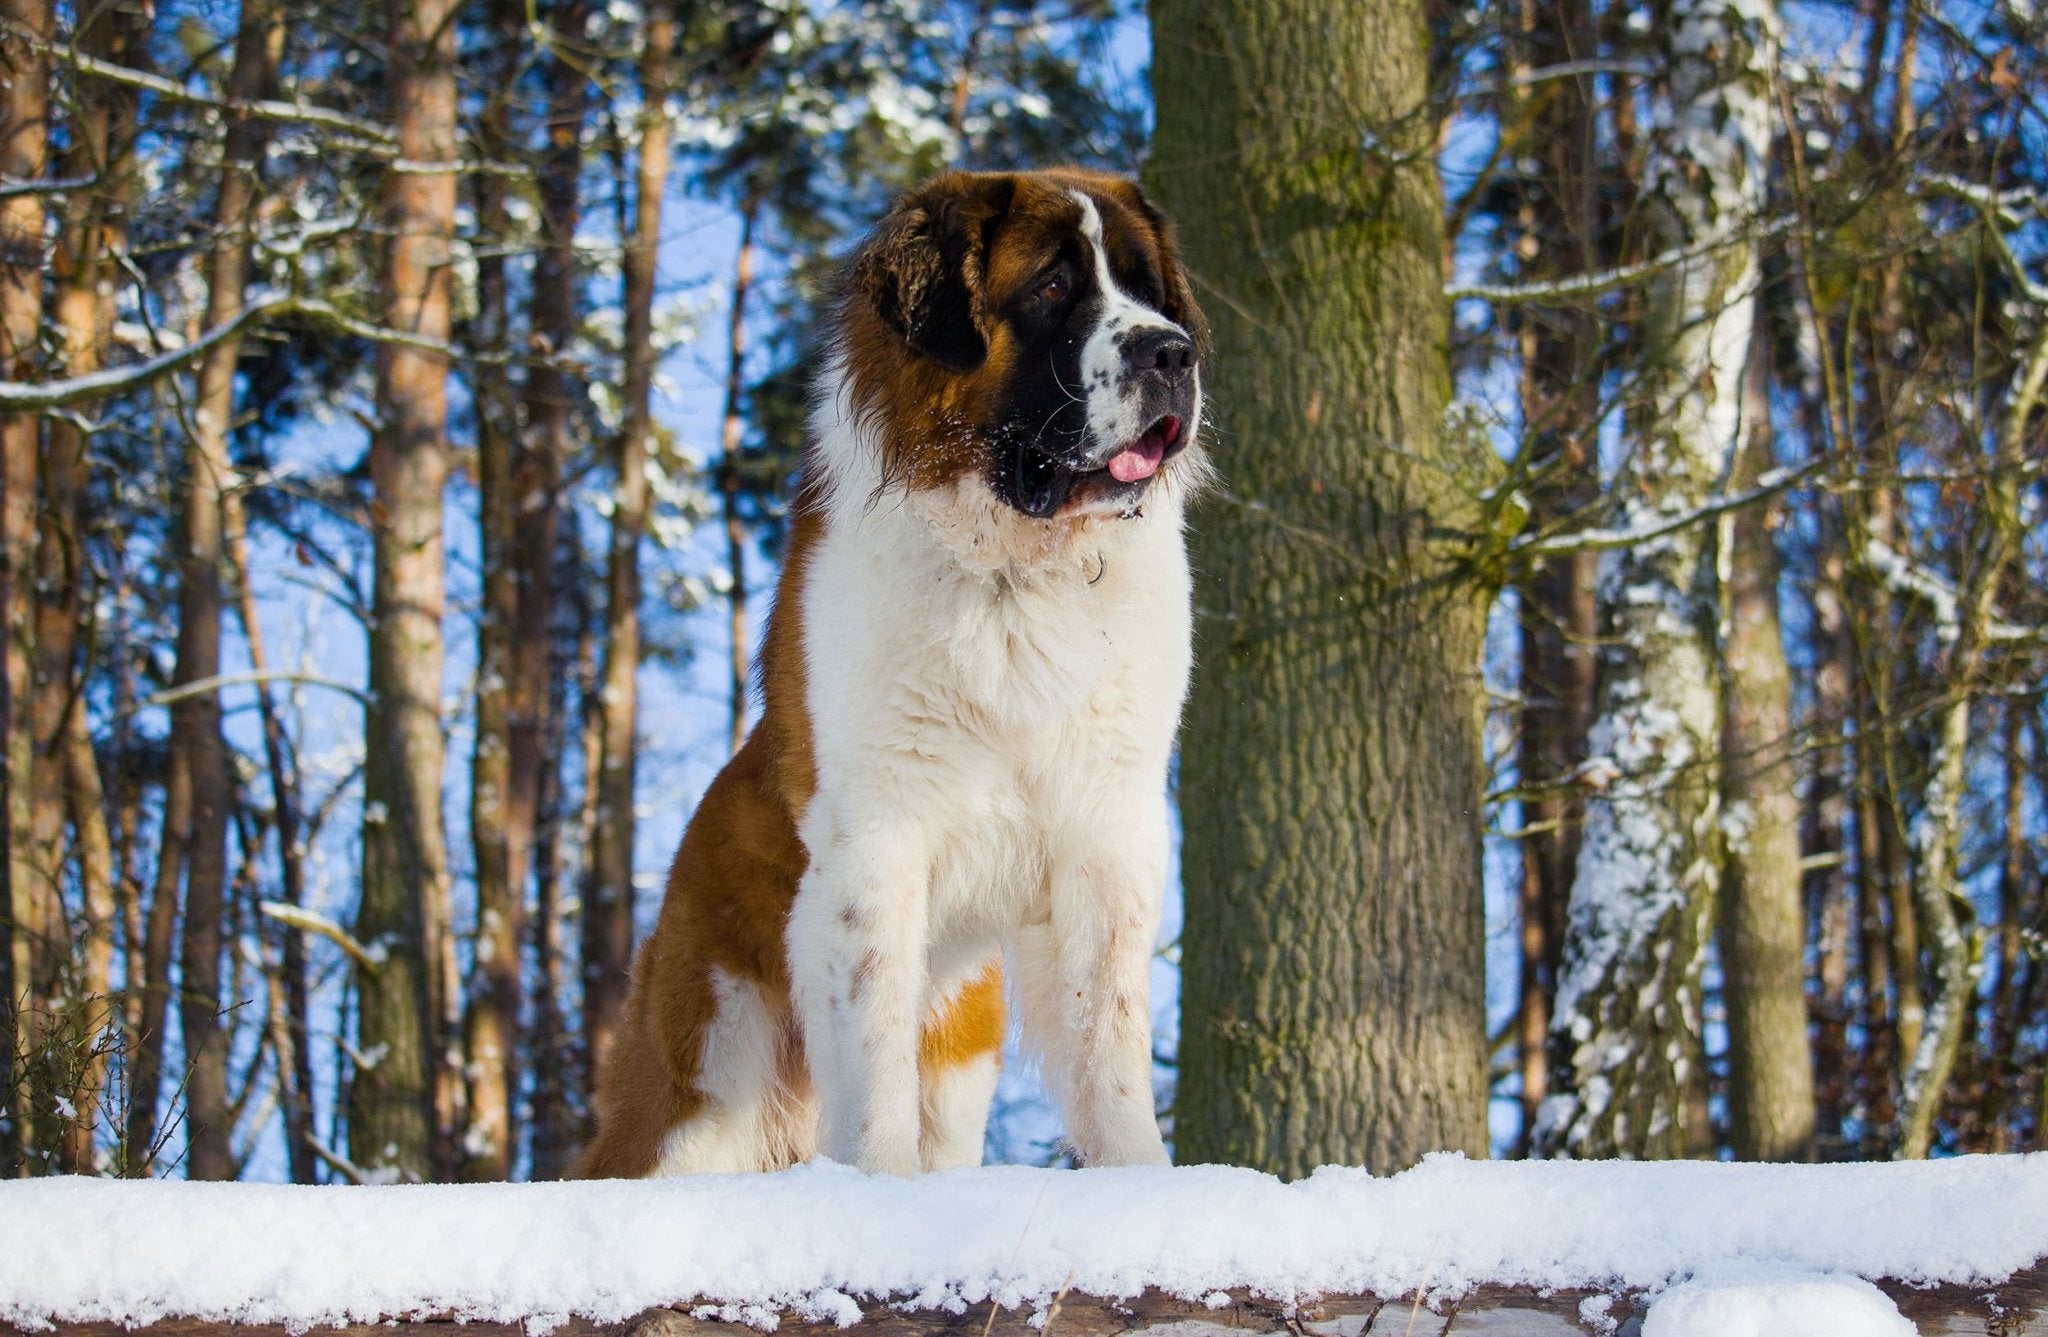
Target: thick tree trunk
[
  {"x": 608, "y": 906},
  {"x": 1629, "y": 1008},
  {"x": 24, "y": 154},
  {"x": 1332, "y": 1004},
  {"x": 1763, "y": 933},
  {"x": 403, "y": 915}
]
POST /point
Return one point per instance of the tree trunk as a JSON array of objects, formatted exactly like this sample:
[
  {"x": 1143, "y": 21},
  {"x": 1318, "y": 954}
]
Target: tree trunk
[
  {"x": 1763, "y": 933},
  {"x": 1829, "y": 889},
  {"x": 196, "y": 719},
  {"x": 729, "y": 469},
  {"x": 1561, "y": 409},
  {"x": 608, "y": 907},
  {"x": 552, "y": 1056},
  {"x": 1629, "y": 1008},
  {"x": 491, "y": 1027},
  {"x": 1939, "y": 896},
  {"x": 24, "y": 155},
  {"x": 393, "y": 1112},
  {"x": 66, "y": 787},
  {"x": 1332, "y": 1003}
]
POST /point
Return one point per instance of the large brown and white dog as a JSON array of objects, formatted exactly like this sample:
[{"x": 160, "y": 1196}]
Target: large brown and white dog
[{"x": 972, "y": 677}]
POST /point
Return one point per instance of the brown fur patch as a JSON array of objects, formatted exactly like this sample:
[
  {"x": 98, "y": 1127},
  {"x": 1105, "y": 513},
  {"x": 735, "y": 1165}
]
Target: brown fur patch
[{"x": 968, "y": 1027}]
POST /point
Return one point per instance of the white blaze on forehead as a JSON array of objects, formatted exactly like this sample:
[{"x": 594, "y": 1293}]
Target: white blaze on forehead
[{"x": 1113, "y": 415}]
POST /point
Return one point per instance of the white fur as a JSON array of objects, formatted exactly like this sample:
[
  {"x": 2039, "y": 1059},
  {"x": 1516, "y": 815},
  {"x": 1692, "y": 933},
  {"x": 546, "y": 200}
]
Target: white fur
[
  {"x": 992, "y": 700},
  {"x": 1114, "y": 418},
  {"x": 750, "y": 1120},
  {"x": 956, "y": 1102}
]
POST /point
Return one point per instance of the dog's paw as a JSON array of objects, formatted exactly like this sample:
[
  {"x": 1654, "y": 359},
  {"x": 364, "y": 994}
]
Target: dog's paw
[
  {"x": 1138, "y": 1146},
  {"x": 889, "y": 1160}
]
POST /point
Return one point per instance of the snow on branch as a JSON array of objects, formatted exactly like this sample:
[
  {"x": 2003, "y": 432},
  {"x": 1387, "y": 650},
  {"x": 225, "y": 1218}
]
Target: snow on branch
[
  {"x": 2004, "y": 209},
  {"x": 173, "y": 695},
  {"x": 1899, "y": 575},
  {"x": 56, "y": 185},
  {"x": 47, "y": 396},
  {"x": 1607, "y": 280},
  {"x": 310, "y": 921},
  {"x": 1568, "y": 69},
  {"x": 302, "y": 113},
  {"x": 1603, "y": 540},
  {"x": 34, "y": 396}
]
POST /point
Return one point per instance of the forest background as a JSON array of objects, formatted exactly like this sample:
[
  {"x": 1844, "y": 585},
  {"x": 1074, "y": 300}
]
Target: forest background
[{"x": 400, "y": 405}]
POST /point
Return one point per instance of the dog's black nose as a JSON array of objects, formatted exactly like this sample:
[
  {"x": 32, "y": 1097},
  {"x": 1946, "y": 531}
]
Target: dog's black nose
[{"x": 1169, "y": 353}]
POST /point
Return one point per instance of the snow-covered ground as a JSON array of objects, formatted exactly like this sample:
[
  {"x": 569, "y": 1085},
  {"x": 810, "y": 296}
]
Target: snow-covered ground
[{"x": 1735, "y": 1248}]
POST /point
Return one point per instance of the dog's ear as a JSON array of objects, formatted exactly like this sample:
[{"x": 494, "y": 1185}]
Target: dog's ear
[
  {"x": 1181, "y": 307},
  {"x": 922, "y": 270}
]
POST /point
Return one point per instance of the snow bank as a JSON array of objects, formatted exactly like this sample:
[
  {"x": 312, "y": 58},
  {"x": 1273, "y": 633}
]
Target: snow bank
[
  {"x": 1752, "y": 1301},
  {"x": 816, "y": 1237}
]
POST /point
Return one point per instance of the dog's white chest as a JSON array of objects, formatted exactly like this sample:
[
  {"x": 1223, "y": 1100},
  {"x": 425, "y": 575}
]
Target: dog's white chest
[{"x": 985, "y": 707}]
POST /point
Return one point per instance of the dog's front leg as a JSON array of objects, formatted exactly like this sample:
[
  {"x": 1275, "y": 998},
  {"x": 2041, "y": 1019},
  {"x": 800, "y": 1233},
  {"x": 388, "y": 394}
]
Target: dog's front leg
[
  {"x": 1105, "y": 918},
  {"x": 857, "y": 964}
]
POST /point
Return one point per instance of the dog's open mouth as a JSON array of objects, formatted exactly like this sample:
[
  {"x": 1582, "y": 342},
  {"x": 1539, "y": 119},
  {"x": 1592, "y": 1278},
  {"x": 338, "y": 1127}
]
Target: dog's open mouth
[
  {"x": 1142, "y": 458},
  {"x": 1045, "y": 483}
]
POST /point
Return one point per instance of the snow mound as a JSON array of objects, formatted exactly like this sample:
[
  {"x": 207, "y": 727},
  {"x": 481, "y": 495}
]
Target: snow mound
[
  {"x": 822, "y": 1239},
  {"x": 1774, "y": 1302}
]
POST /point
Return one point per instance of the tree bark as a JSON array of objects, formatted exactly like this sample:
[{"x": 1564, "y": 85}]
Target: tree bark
[
  {"x": 24, "y": 155},
  {"x": 1561, "y": 409},
  {"x": 393, "y": 1112},
  {"x": 1332, "y": 1004},
  {"x": 1629, "y": 1007},
  {"x": 608, "y": 906},
  {"x": 1939, "y": 896},
  {"x": 196, "y": 719},
  {"x": 1763, "y": 933},
  {"x": 293, "y": 1043},
  {"x": 491, "y": 1026},
  {"x": 729, "y": 469},
  {"x": 66, "y": 789}
]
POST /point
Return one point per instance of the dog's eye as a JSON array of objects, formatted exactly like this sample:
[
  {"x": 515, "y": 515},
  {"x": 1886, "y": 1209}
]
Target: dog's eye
[{"x": 1052, "y": 287}]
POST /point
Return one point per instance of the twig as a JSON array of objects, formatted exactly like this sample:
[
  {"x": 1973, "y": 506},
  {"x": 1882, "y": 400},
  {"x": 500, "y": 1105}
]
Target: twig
[{"x": 995, "y": 1301}]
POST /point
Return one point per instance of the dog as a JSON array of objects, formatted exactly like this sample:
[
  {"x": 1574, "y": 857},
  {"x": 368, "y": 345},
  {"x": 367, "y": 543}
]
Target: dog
[{"x": 972, "y": 677}]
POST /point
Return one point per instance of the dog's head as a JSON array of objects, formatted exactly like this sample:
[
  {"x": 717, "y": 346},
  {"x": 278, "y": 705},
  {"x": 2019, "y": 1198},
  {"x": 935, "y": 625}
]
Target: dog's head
[{"x": 1031, "y": 330}]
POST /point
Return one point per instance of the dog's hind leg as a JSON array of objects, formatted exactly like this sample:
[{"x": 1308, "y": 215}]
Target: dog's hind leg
[
  {"x": 746, "y": 1117},
  {"x": 959, "y": 1056}
]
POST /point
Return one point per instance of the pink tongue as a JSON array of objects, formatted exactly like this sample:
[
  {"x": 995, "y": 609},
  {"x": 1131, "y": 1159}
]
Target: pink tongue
[{"x": 1140, "y": 461}]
